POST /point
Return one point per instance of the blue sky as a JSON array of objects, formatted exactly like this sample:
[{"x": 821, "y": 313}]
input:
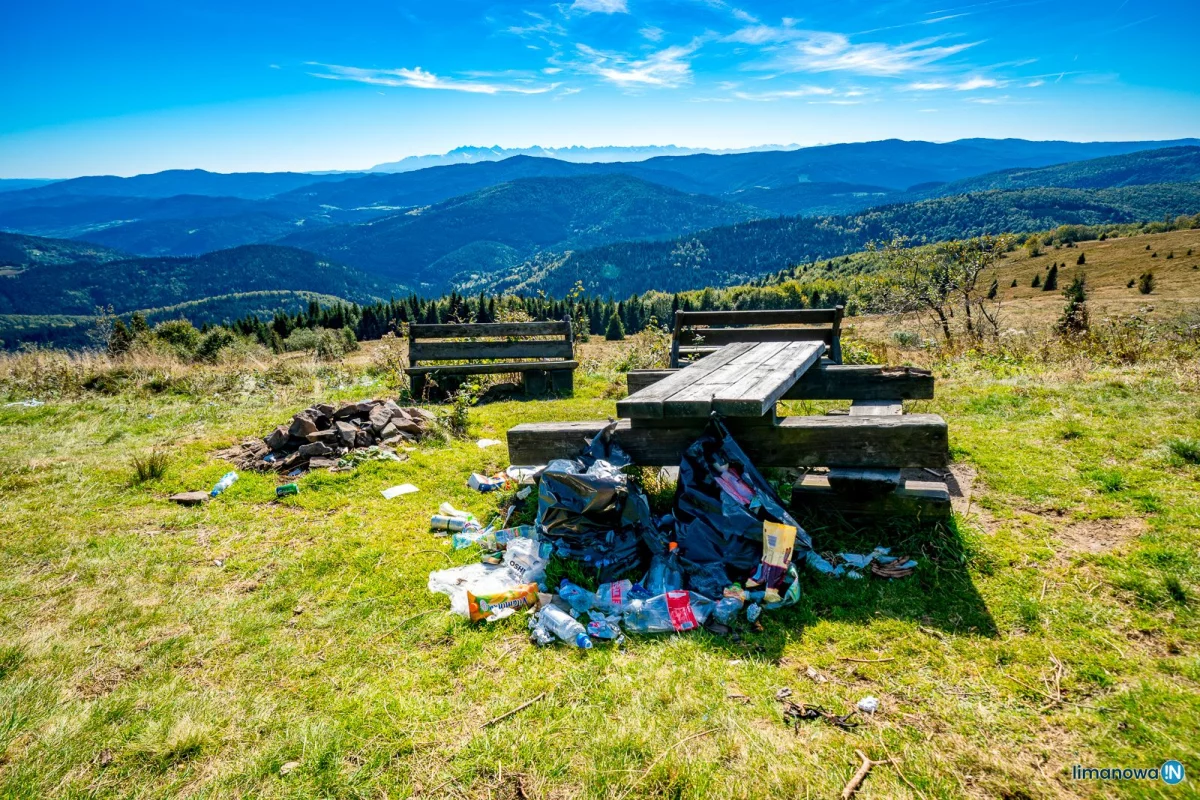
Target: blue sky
[{"x": 127, "y": 87}]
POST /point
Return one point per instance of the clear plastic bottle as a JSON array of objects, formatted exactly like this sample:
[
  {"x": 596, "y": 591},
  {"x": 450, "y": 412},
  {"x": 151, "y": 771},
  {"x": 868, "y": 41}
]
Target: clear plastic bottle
[
  {"x": 564, "y": 626},
  {"x": 577, "y": 597},
  {"x": 667, "y": 613},
  {"x": 664, "y": 574},
  {"x": 226, "y": 481}
]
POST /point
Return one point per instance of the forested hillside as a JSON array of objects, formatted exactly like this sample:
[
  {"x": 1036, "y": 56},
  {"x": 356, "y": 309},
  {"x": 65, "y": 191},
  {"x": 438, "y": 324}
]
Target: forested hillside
[
  {"x": 146, "y": 283},
  {"x": 736, "y": 253},
  {"x": 503, "y": 224},
  {"x": 19, "y": 252}
]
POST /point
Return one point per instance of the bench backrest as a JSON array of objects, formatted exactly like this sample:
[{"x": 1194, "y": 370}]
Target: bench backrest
[
  {"x": 698, "y": 333},
  {"x": 483, "y": 341}
]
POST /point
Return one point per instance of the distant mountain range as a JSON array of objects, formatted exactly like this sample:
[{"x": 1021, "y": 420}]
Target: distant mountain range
[
  {"x": 574, "y": 154},
  {"x": 177, "y": 239}
]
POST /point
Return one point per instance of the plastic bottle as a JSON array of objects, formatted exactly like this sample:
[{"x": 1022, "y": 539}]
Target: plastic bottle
[
  {"x": 577, "y": 597},
  {"x": 226, "y": 481},
  {"x": 564, "y": 626},
  {"x": 754, "y": 612},
  {"x": 728, "y": 606},
  {"x": 664, "y": 574},
  {"x": 655, "y": 615}
]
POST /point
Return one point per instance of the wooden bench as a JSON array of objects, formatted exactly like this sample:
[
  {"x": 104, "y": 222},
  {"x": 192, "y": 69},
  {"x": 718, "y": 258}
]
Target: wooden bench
[
  {"x": 701, "y": 333},
  {"x": 542, "y": 353}
]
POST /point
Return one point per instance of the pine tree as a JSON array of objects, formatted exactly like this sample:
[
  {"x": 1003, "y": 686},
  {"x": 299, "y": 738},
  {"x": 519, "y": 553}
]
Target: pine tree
[
  {"x": 120, "y": 340},
  {"x": 1081, "y": 260},
  {"x": 1075, "y": 315},
  {"x": 1014, "y": 283},
  {"x": 994, "y": 290},
  {"x": 1051, "y": 283},
  {"x": 1146, "y": 282},
  {"x": 1037, "y": 280},
  {"x": 616, "y": 330}
]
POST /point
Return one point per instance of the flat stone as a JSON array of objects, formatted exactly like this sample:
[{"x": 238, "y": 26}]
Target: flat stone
[
  {"x": 324, "y": 408},
  {"x": 346, "y": 433},
  {"x": 315, "y": 449},
  {"x": 379, "y": 418},
  {"x": 322, "y": 463},
  {"x": 278, "y": 438},
  {"x": 420, "y": 413},
  {"x": 346, "y": 412},
  {"x": 302, "y": 425},
  {"x": 407, "y": 425},
  {"x": 329, "y": 437},
  {"x": 190, "y": 498}
]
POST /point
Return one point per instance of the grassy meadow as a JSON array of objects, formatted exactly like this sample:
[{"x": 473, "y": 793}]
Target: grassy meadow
[{"x": 254, "y": 647}]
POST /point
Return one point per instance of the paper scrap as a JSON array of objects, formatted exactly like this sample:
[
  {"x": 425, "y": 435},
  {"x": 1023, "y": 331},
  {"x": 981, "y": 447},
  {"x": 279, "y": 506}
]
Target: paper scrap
[
  {"x": 396, "y": 491},
  {"x": 485, "y": 443}
]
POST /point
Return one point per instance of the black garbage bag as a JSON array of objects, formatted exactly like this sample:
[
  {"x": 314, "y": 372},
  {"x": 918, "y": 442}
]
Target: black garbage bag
[
  {"x": 721, "y": 502},
  {"x": 590, "y": 513}
]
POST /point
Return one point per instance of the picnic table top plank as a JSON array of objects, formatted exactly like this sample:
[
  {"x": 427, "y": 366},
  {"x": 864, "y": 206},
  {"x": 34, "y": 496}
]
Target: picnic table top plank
[
  {"x": 648, "y": 403},
  {"x": 757, "y": 393},
  {"x": 696, "y": 400}
]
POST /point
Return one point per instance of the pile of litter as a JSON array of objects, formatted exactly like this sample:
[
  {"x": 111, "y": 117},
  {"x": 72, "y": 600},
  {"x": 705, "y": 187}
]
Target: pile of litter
[
  {"x": 727, "y": 552},
  {"x": 325, "y": 437}
]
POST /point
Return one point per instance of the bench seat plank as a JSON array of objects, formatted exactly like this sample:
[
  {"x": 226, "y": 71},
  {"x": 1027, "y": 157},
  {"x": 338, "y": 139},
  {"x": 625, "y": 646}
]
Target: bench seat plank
[
  {"x": 909, "y": 440},
  {"x": 491, "y": 368}
]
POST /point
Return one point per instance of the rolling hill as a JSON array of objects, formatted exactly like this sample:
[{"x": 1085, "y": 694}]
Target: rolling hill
[
  {"x": 502, "y": 224},
  {"x": 78, "y": 288},
  {"x": 19, "y": 252},
  {"x": 731, "y": 254}
]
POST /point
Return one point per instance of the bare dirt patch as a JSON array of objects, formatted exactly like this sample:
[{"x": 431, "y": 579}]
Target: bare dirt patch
[{"x": 1100, "y": 535}]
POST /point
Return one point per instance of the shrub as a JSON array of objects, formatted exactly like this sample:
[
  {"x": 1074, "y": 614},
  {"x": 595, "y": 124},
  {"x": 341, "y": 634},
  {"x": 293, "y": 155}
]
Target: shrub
[
  {"x": 180, "y": 334},
  {"x": 1081, "y": 260},
  {"x": 301, "y": 339},
  {"x": 1051, "y": 283},
  {"x": 1075, "y": 316},
  {"x": 1170, "y": 254},
  {"x": 120, "y": 340},
  {"x": 213, "y": 343},
  {"x": 615, "y": 331},
  {"x": 993, "y": 290},
  {"x": 1037, "y": 280},
  {"x": 1146, "y": 282},
  {"x": 906, "y": 339},
  {"x": 1107, "y": 480},
  {"x": 151, "y": 467},
  {"x": 1130, "y": 284},
  {"x": 1014, "y": 283}
]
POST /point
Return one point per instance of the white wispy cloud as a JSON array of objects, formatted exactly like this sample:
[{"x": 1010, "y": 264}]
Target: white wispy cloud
[
  {"x": 418, "y": 78},
  {"x": 785, "y": 94},
  {"x": 666, "y": 68},
  {"x": 830, "y": 52},
  {"x": 652, "y": 33},
  {"x": 965, "y": 85},
  {"x": 600, "y": 6},
  {"x": 971, "y": 84}
]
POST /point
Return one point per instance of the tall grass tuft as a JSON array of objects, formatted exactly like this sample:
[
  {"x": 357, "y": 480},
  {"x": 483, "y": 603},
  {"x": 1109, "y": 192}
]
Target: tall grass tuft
[
  {"x": 1186, "y": 450},
  {"x": 150, "y": 467}
]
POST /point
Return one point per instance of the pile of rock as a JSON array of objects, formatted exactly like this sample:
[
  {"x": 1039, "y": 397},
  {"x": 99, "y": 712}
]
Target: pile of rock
[{"x": 320, "y": 435}]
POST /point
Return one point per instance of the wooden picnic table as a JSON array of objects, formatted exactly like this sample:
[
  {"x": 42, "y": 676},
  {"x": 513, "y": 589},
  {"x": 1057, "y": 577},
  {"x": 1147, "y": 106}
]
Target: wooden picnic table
[{"x": 744, "y": 379}]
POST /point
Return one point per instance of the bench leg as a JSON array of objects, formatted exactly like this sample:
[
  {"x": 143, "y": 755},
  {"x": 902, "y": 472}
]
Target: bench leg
[
  {"x": 417, "y": 386},
  {"x": 534, "y": 381},
  {"x": 563, "y": 381}
]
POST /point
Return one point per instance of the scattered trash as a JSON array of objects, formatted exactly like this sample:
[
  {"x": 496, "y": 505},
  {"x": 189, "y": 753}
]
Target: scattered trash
[
  {"x": 524, "y": 492},
  {"x": 730, "y": 604},
  {"x": 795, "y": 713},
  {"x": 25, "y": 404},
  {"x": 483, "y": 444},
  {"x": 777, "y": 556},
  {"x": 753, "y": 612},
  {"x": 441, "y": 522},
  {"x": 287, "y": 490},
  {"x": 226, "y": 481},
  {"x": 564, "y": 626},
  {"x": 190, "y": 498},
  {"x": 664, "y": 574},
  {"x": 524, "y": 475},
  {"x": 590, "y": 514},
  {"x": 676, "y": 611},
  {"x": 721, "y": 504},
  {"x": 850, "y": 565},
  {"x": 482, "y": 483},
  {"x": 868, "y": 705},
  {"x": 288, "y": 766},
  {"x": 814, "y": 676},
  {"x": 397, "y": 491},
  {"x": 499, "y": 605},
  {"x": 327, "y": 437}
]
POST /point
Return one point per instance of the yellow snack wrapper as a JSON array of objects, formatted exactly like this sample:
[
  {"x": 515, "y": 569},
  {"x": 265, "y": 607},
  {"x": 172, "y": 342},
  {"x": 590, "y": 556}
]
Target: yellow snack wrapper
[{"x": 480, "y": 607}]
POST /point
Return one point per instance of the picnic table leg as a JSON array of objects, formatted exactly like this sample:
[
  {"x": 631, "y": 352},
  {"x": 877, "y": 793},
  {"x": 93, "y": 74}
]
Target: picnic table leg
[
  {"x": 563, "y": 381},
  {"x": 417, "y": 386},
  {"x": 534, "y": 381}
]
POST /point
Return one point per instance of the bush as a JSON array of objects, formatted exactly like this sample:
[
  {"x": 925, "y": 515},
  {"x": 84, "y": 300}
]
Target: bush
[
  {"x": 180, "y": 334},
  {"x": 1146, "y": 282},
  {"x": 906, "y": 339},
  {"x": 1075, "y": 316},
  {"x": 1130, "y": 284},
  {"x": 1037, "y": 280},
  {"x": 615, "y": 331},
  {"x": 301, "y": 339},
  {"x": 213, "y": 343},
  {"x": 1014, "y": 283},
  {"x": 1081, "y": 260}
]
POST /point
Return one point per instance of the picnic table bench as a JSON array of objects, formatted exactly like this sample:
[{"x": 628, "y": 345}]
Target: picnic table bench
[
  {"x": 863, "y": 450},
  {"x": 546, "y": 351}
]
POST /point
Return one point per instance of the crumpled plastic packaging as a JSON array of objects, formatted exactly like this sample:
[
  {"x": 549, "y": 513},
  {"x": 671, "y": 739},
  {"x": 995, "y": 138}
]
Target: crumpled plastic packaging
[
  {"x": 590, "y": 513},
  {"x": 721, "y": 502},
  {"x": 524, "y": 562}
]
